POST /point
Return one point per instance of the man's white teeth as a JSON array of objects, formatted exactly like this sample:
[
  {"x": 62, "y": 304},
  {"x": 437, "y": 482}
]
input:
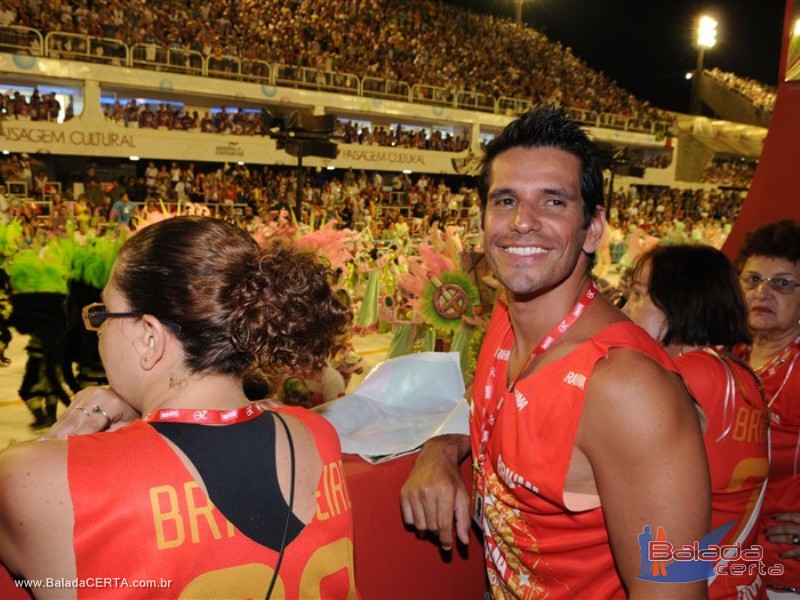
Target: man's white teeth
[{"x": 525, "y": 250}]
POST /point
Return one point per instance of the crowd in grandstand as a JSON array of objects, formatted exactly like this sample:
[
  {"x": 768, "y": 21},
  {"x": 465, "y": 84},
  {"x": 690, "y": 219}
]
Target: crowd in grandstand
[
  {"x": 238, "y": 121},
  {"x": 413, "y": 42},
  {"x": 729, "y": 172},
  {"x": 761, "y": 95},
  {"x": 386, "y": 205},
  {"x": 235, "y": 121},
  {"x": 37, "y": 107},
  {"x": 669, "y": 212},
  {"x": 399, "y": 41}
]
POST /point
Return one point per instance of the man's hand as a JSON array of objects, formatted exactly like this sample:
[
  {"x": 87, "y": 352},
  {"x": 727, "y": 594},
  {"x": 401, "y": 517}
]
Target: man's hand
[
  {"x": 93, "y": 409},
  {"x": 434, "y": 496}
]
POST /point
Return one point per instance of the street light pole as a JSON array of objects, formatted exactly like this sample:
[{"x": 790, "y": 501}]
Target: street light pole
[
  {"x": 706, "y": 38},
  {"x": 518, "y": 11},
  {"x": 694, "y": 104}
]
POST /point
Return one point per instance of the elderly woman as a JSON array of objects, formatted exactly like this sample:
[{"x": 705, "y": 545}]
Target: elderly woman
[
  {"x": 207, "y": 494},
  {"x": 769, "y": 272},
  {"x": 688, "y": 298}
]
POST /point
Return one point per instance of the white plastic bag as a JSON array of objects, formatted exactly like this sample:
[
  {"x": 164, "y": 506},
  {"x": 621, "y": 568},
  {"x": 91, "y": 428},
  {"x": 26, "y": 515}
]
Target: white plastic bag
[{"x": 402, "y": 403}]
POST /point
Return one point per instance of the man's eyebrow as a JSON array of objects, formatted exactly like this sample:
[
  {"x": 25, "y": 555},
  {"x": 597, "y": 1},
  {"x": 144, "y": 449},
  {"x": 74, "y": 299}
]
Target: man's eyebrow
[
  {"x": 501, "y": 192},
  {"x": 548, "y": 191}
]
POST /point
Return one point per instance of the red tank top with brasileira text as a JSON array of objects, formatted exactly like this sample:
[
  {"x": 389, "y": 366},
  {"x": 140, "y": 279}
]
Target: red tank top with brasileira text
[
  {"x": 737, "y": 444},
  {"x": 141, "y": 517},
  {"x": 537, "y": 547}
]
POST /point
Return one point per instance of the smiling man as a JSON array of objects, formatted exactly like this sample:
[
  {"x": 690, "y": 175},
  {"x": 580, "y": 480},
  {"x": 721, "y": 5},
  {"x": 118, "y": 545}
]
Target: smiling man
[{"x": 581, "y": 434}]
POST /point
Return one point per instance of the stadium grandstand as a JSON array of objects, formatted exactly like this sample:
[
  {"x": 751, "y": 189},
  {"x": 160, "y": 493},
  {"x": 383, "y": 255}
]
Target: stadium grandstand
[{"x": 230, "y": 98}]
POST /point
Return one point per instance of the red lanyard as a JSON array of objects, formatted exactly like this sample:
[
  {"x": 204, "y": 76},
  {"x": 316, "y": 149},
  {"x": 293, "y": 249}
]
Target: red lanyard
[
  {"x": 206, "y": 416},
  {"x": 490, "y": 417}
]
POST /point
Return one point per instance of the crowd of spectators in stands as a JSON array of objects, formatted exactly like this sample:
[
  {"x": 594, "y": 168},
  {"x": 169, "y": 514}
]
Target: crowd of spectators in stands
[
  {"x": 761, "y": 95},
  {"x": 235, "y": 121},
  {"x": 397, "y": 40},
  {"x": 39, "y": 107},
  {"x": 387, "y": 205},
  {"x": 255, "y": 196},
  {"x": 657, "y": 209},
  {"x": 417, "y": 42},
  {"x": 175, "y": 117},
  {"x": 392, "y": 40},
  {"x": 732, "y": 172},
  {"x": 238, "y": 121},
  {"x": 404, "y": 137}
]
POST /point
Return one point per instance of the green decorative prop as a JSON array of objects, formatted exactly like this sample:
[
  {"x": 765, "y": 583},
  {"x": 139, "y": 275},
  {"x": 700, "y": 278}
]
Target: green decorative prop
[
  {"x": 445, "y": 302},
  {"x": 37, "y": 271}
]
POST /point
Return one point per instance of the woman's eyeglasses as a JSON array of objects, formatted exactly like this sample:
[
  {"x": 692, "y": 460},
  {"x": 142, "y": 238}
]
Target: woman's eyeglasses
[
  {"x": 782, "y": 285},
  {"x": 95, "y": 316}
]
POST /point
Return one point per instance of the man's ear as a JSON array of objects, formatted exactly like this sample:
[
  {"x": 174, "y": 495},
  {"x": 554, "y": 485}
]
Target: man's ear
[
  {"x": 594, "y": 233},
  {"x": 151, "y": 341}
]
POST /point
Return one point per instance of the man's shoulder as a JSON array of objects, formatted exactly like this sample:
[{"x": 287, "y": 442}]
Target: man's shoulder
[
  {"x": 625, "y": 335},
  {"x": 635, "y": 371}
]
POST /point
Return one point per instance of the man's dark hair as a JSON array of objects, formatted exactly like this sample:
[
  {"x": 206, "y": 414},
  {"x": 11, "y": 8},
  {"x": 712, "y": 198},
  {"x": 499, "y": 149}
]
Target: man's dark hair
[
  {"x": 774, "y": 240},
  {"x": 549, "y": 127},
  {"x": 697, "y": 289}
]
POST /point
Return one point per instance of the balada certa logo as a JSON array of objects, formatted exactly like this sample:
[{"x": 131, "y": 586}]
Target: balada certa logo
[{"x": 706, "y": 559}]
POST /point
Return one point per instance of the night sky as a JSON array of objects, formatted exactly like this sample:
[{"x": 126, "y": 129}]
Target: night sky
[{"x": 647, "y": 46}]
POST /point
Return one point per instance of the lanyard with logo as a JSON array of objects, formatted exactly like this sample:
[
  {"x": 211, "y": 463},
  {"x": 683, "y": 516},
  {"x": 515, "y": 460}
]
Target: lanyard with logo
[
  {"x": 489, "y": 414},
  {"x": 205, "y": 416}
]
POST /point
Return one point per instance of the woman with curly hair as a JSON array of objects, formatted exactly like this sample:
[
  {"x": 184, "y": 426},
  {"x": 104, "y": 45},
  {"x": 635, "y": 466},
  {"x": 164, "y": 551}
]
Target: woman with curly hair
[{"x": 190, "y": 488}]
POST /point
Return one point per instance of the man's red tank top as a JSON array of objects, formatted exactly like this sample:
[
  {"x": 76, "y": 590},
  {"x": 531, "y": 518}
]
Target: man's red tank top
[
  {"x": 141, "y": 520},
  {"x": 537, "y": 547},
  {"x": 737, "y": 444}
]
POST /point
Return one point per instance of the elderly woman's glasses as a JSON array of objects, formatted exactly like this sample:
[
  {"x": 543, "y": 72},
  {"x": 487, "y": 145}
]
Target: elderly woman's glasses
[
  {"x": 782, "y": 285},
  {"x": 95, "y": 316}
]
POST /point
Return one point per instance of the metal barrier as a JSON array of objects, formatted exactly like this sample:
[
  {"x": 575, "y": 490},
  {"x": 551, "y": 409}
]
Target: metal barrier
[
  {"x": 512, "y": 106},
  {"x": 432, "y": 94},
  {"x": 151, "y": 56},
  {"x": 21, "y": 40},
  {"x": 639, "y": 124},
  {"x": 258, "y": 71},
  {"x": 378, "y": 87},
  {"x": 582, "y": 116},
  {"x": 315, "y": 79},
  {"x": 181, "y": 60},
  {"x": 224, "y": 66},
  {"x": 475, "y": 101},
  {"x": 154, "y": 57},
  {"x": 72, "y": 46},
  {"x": 108, "y": 51}
]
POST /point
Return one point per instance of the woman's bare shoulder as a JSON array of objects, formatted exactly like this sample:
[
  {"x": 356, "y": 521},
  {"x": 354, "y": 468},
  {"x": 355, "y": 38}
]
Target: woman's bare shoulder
[{"x": 35, "y": 506}]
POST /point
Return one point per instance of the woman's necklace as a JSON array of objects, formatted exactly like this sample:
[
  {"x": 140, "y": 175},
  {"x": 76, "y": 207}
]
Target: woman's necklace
[{"x": 776, "y": 361}]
